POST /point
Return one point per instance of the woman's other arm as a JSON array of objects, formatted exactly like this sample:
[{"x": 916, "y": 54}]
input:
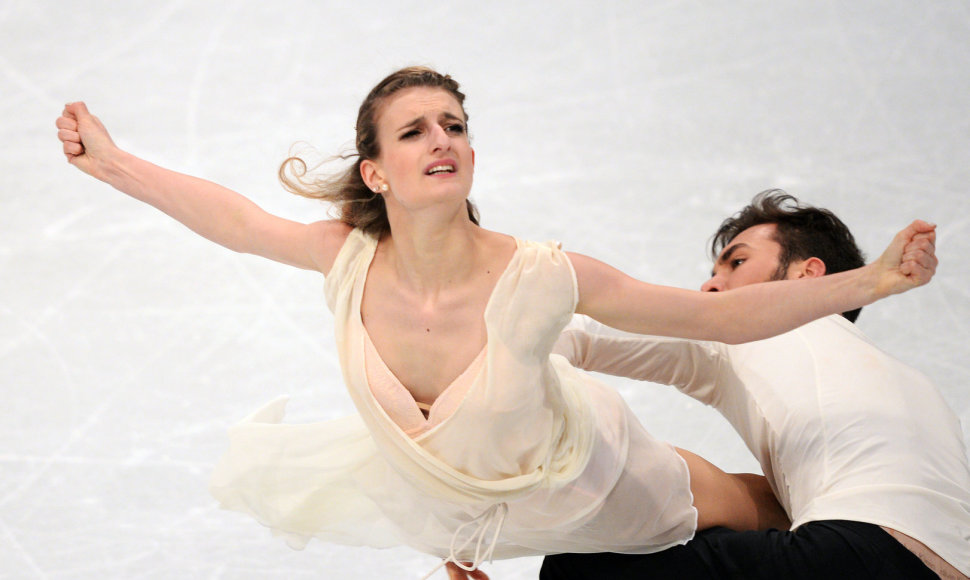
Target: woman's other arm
[{"x": 756, "y": 311}]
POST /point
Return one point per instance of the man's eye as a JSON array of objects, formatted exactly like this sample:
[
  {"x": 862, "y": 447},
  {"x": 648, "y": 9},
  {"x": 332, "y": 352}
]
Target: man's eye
[{"x": 737, "y": 262}]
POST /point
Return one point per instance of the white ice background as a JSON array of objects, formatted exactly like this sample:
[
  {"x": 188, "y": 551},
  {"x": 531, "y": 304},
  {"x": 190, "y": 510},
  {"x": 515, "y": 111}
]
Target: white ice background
[{"x": 627, "y": 130}]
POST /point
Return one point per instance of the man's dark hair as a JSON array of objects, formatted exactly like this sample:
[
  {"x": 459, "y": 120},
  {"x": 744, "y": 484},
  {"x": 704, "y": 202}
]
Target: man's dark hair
[{"x": 802, "y": 231}]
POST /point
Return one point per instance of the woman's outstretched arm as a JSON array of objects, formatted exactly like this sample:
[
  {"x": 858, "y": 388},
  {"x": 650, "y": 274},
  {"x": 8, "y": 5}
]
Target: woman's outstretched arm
[
  {"x": 756, "y": 311},
  {"x": 212, "y": 211}
]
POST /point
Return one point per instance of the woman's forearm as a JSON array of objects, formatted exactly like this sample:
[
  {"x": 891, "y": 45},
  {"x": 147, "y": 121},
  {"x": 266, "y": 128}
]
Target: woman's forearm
[
  {"x": 744, "y": 314},
  {"x": 760, "y": 311},
  {"x": 211, "y": 210},
  {"x": 756, "y": 311}
]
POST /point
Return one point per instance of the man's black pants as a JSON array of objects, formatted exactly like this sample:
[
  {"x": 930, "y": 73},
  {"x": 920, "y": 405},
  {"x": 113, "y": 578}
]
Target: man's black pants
[{"x": 828, "y": 550}]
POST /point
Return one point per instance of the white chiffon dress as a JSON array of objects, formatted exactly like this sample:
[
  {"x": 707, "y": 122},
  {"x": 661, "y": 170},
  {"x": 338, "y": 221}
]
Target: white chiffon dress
[{"x": 534, "y": 457}]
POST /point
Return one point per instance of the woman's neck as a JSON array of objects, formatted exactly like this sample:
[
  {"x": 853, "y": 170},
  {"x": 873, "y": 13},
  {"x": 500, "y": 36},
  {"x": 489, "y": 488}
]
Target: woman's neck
[{"x": 430, "y": 255}]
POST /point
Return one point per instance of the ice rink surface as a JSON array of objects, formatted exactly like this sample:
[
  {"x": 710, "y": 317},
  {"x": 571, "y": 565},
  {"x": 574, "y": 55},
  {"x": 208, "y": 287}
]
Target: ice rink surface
[{"x": 626, "y": 130}]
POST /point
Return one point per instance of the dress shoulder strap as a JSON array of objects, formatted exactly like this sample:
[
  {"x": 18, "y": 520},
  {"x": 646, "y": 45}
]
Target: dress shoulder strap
[{"x": 356, "y": 253}]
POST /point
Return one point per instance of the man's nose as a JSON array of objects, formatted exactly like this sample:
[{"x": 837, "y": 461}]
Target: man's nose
[{"x": 715, "y": 284}]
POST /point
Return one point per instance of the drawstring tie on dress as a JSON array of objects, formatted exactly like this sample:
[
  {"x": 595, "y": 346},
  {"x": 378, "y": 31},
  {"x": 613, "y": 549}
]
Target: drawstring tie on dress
[{"x": 494, "y": 515}]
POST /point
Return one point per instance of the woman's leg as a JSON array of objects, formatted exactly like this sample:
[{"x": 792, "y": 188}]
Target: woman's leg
[{"x": 740, "y": 501}]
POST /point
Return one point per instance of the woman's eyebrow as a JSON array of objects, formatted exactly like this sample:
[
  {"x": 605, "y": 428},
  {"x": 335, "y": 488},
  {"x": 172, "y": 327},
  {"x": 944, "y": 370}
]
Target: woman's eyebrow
[{"x": 412, "y": 123}]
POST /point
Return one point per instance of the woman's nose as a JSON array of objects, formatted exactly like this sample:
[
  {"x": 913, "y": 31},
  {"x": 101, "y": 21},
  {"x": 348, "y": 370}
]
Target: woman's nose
[{"x": 439, "y": 139}]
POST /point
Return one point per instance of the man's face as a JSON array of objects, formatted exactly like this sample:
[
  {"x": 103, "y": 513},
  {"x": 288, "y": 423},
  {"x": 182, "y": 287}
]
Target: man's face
[{"x": 751, "y": 257}]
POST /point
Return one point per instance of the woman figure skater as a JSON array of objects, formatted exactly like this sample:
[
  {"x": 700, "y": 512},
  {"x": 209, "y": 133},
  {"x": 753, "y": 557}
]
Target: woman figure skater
[{"x": 472, "y": 442}]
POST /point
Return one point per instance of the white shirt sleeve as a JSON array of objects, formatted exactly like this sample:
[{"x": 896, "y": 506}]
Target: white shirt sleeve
[{"x": 691, "y": 366}]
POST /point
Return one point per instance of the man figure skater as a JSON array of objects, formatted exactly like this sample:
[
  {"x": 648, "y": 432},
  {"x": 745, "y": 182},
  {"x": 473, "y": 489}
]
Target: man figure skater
[{"x": 861, "y": 451}]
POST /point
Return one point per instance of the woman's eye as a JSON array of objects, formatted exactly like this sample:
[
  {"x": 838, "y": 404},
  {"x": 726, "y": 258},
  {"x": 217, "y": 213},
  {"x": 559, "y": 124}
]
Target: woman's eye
[
  {"x": 457, "y": 128},
  {"x": 410, "y": 134},
  {"x": 737, "y": 262}
]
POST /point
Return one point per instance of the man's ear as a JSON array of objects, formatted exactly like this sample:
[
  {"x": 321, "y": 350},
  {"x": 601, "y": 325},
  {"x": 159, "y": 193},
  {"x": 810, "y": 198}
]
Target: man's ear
[
  {"x": 810, "y": 268},
  {"x": 370, "y": 173}
]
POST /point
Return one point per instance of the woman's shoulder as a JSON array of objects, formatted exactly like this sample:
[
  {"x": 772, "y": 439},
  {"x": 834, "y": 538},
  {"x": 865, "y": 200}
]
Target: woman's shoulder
[
  {"x": 499, "y": 239},
  {"x": 328, "y": 239}
]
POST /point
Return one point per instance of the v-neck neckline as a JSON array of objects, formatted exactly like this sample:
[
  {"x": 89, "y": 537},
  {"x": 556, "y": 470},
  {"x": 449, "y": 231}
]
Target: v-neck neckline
[
  {"x": 488, "y": 304},
  {"x": 398, "y": 386}
]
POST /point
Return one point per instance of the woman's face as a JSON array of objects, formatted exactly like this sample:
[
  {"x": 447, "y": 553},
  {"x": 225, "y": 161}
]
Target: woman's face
[{"x": 425, "y": 154}]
